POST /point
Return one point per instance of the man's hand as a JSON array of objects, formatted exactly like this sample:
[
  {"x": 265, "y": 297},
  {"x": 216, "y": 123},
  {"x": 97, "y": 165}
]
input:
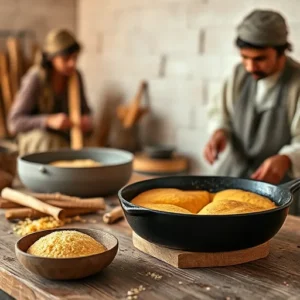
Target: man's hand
[
  {"x": 58, "y": 122},
  {"x": 273, "y": 169},
  {"x": 86, "y": 123},
  {"x": 215, "y": 145}
]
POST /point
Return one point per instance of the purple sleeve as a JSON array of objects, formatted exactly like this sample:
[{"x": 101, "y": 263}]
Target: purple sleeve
[{"x": 21, "y": 117}]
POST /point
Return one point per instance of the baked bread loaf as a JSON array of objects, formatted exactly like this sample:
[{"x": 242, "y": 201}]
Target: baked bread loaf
[
  {"x": 244, "y": 196},
  {"x": 193, "y": 201},
  {"x": 229, "y": 207},
  {"x": 167, "y": 208}
]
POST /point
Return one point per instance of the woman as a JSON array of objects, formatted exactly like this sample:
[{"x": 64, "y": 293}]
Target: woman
[{"x": 39, "y": 115}]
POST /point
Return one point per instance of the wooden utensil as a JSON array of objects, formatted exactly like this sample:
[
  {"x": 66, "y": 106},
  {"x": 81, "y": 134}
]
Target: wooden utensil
[
  {"x": 134, "y": 107},
  {"x": 6, "y": 93},
  {"x": 122, "y": 111},
  {"x": 61, "y": 197},
  {"x": 75, "y": 112},
  {"x": 8, "y": 204},
  {"x": 25, "y": 212},
  {"x": 14, "y": 53},
  {"x": 95, "y": 204},
  {"x": 5, "y": 83},
  {"x": 32, "y": 202},
  {"x": 114, "y": 215},
  {"x": 65, "y": 198}
]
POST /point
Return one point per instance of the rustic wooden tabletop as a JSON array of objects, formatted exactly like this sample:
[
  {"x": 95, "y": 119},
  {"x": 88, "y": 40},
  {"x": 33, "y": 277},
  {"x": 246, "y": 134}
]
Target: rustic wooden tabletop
[{"x": 274, "y": 277}]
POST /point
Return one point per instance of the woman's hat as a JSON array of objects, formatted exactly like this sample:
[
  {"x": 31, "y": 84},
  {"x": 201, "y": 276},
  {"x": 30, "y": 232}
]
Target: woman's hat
[{"x": 60, "y": 42}]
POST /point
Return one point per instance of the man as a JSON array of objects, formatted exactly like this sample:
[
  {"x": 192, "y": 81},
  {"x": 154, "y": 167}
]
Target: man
[{"x": 258, "y": 113}]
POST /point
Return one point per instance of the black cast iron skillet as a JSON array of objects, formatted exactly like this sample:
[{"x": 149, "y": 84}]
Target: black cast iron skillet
[{"x": 212, "y": 233}]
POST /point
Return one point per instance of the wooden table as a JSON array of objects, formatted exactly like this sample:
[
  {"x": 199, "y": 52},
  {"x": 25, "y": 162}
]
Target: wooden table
[{"x": 275, "y": 277}]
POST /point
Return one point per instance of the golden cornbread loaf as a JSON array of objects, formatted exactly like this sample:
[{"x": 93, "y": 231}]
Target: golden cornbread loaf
[
  {"x": 77, "y": 163},
  {"x": 192, "y": 201},
  {"x": 66, "y": 244},
  {"x": 229, "y": 207},
  {"x": 167, "y": 208},
  {"x": 244, "y": 196}
]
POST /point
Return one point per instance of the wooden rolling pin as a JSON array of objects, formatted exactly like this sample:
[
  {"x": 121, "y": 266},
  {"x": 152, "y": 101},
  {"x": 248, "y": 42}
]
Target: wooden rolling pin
[
  {"x": 61, "y": 200},
  {"x": 8, "y": 204},
  {"x": 23, "y": 213},
  {"x": 5, "y": 84},
  {"x": 60, "y": 197},
  {"x": 75, "y": 113},
  {"x": 29, "y": 201},
  {"x": 114, "y": 215},
  {"x": 13, "y": 48},
  {"x": 89, "y": 203}
]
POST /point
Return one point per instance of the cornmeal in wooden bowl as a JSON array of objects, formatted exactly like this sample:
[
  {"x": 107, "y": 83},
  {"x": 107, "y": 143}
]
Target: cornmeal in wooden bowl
[{"x": 66, "y": 244}]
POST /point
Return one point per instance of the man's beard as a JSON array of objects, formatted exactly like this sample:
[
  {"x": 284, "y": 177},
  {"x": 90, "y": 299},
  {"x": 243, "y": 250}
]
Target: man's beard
[{"x": 259, "y": 75}]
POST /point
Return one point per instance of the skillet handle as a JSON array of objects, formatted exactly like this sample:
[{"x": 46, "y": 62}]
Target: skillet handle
[
  {"x": 134, "y": 210},
  {"x": 293, "y": 186}
]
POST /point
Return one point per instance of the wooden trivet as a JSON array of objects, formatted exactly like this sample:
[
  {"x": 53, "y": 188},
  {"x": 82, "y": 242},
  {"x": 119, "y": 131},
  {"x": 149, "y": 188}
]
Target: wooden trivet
[
  {"x": 185, "y": 259},
  {"x": 145, "y": 164}
]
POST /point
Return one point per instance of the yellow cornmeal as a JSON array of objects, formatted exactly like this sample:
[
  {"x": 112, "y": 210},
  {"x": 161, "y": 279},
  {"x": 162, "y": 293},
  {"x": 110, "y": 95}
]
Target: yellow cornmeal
[
  {"x": 77, "y": 163},
  {"x": 66, "y": 244},
  {"x": 29, "y": 226}
]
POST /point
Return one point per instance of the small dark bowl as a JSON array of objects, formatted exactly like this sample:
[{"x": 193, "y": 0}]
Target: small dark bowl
[
  {"x": 159, "y": 151},
  {"x": 67, "y": 268}
]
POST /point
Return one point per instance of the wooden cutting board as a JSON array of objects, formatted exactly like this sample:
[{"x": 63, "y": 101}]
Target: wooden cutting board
[
  {"x": 185, "y": 259},
  {"x": 145, "y": 164}
]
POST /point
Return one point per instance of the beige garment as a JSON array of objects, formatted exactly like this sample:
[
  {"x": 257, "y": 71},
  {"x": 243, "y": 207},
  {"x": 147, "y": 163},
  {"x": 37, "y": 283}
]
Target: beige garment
[
  {"x": 39, "y": 140},
  {"x": 222, "y": 109}
]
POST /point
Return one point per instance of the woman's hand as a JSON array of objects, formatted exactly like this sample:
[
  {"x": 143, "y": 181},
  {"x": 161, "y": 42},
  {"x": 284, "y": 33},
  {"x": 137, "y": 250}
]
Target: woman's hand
[
  {"x": 86, "y": 123},
  {"x": 58, "y": 122}
]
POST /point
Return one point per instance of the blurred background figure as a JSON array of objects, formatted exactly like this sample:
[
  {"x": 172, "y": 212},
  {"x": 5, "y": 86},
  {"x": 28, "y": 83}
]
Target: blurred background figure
[
  {"x": 258, "y": 110},
  {"x": 39, "y": 116}
]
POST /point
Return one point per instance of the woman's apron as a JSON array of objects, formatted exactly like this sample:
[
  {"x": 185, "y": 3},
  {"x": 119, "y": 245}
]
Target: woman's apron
[
  {"x": 258, "y": 135},
  {"x": 41, "y": 140}
]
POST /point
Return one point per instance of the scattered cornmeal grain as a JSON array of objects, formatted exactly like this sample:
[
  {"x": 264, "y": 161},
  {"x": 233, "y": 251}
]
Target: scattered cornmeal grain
[
  {"x": 66, "y": 244},
  {"x": 153, "y": 275},
  {"x": 134, "y": 292},
  {"x": 29, "y": 226}
]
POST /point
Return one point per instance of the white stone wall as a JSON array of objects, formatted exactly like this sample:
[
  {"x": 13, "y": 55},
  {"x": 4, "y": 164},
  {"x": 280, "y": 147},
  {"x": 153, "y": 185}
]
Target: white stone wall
[
  {"x": 39, "y": 16},
  {"x": 183, "y": 48}
]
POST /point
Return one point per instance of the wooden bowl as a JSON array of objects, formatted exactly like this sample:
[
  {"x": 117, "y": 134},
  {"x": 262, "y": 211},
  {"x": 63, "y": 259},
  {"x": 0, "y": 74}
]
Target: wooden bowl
[{"x": 67, "y": 268}]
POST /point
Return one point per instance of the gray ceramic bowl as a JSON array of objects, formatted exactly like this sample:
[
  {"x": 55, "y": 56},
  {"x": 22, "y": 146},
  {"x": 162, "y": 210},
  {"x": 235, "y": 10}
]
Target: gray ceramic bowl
[
  {"x": 67, "y": 268},
  {"x": 37, "y": 175}
]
